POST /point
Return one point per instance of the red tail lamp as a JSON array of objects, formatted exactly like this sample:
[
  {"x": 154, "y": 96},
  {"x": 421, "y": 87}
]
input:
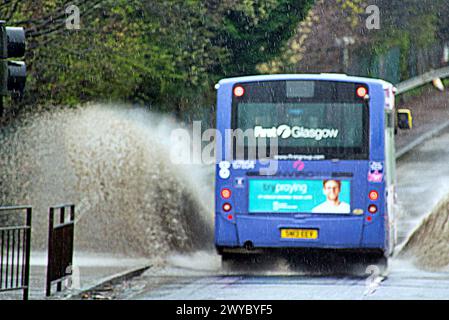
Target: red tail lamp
[
  {"x": 227, "y": 207},
  {"x": 239, "y": 91},
  {"x": 374, "y": 195},
  {"x": 362, "y": 92},
  {"x": 226, "y": 193},
  {"x": 372, "y": 209}
]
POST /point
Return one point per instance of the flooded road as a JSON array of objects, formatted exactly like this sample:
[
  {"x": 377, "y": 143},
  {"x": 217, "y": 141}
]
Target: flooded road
[{"x": 422, "y": 182}]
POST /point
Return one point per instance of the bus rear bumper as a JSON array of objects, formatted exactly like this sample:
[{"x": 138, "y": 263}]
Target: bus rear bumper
[
  {"x": 252, "y": 234},
  {"x": 270, "y": 251}
]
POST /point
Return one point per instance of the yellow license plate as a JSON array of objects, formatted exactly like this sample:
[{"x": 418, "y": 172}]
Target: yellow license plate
[{"x": 299, "y": 234}]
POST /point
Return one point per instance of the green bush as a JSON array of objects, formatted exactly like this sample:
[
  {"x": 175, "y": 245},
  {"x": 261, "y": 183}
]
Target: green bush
[{"x": 160, "y": 53}]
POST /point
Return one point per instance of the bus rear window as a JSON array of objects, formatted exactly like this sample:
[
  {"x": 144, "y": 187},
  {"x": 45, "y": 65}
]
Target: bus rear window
[{"x": 308, "y": 118}]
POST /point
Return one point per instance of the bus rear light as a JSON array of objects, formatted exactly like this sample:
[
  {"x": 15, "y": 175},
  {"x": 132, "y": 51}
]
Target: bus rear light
[
  {"x": 226, "y": 193},
  {"x": 362, "y": 92},
  {"x": 374, "y": 195},
  {"x": 227, "y": 207},
  {"x": 372, "y": 209},
  {"x": 239, "y": 91},
  {"x": 230, "y": 217}
]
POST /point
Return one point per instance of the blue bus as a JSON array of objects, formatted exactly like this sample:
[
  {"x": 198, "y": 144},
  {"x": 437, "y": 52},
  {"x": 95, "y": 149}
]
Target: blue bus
[{"x": 313, "y": 167}]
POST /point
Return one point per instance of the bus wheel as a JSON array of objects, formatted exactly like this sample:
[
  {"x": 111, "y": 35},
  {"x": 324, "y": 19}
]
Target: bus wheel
[
  {"x": 230, "y": 261},
  {"x": 233, "y": 261}
]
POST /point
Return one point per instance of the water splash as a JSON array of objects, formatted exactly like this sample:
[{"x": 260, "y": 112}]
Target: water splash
[
  {"x": 427, "y": 245},
  {"x": 113, "y": 163}
]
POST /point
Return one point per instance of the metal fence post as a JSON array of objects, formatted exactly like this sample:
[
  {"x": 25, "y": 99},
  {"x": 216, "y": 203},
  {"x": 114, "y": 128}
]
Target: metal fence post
[
  {"x": 50, "y": 251},
  {"x": 26, "y": 280}
]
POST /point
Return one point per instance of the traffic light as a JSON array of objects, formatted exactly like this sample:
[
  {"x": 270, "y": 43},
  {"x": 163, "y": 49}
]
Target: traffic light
[{"x": 12, "y": 73}]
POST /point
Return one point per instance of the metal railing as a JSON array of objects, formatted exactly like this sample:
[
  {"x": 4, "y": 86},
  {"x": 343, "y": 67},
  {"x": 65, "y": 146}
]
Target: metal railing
[
  {"x": 60, "y": 246},
  {"x": 422, "y": 80},
  {"x": 15, "y": 252}
]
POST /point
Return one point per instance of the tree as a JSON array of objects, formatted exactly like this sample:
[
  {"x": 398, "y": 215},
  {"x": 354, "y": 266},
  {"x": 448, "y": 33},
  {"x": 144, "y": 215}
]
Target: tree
[
  {"x": 256, "y": 31},
  {"x": 166, "y": 54}
]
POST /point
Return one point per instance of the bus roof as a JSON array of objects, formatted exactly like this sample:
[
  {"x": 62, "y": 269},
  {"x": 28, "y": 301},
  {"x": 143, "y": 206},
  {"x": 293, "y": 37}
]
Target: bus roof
[{"x": 322, "y": 76}]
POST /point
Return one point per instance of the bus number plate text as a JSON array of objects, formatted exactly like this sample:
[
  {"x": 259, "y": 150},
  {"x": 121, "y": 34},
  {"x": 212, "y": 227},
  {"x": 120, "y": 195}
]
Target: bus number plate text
[{"x": 299, "y": 234}]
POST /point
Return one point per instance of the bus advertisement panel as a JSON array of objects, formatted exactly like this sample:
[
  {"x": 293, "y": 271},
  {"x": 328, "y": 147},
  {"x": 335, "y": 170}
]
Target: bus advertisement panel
[{"x": 299, "y": 196}]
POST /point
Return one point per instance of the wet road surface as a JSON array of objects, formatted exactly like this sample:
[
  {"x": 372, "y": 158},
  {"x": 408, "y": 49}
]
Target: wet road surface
[{"x": 422, "y": 182}]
